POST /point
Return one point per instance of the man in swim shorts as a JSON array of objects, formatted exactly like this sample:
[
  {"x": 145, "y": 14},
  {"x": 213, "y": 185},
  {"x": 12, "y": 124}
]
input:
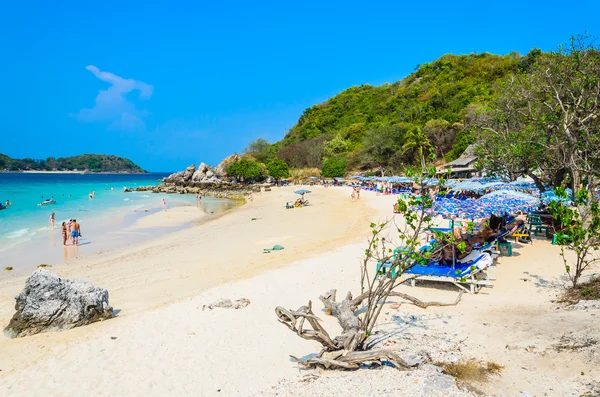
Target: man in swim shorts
[{"x": 75, "y": 232}]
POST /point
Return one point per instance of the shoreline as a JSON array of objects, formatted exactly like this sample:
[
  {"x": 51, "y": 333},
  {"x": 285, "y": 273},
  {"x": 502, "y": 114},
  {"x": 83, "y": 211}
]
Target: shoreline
[
  {"x": 105, "y": 231},
  {"x": 74, "y": 172}
]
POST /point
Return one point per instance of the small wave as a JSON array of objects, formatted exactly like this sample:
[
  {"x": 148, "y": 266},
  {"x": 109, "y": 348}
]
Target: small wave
[
  {"x": 126, "y": 199},
  {"x": 144, "y": 195},
  {"x": 17, "y": 233}
]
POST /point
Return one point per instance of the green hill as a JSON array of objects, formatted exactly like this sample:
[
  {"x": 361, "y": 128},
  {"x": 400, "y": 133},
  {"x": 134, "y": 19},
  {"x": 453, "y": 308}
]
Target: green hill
[
  {"x": 90, "y": 162},
  {"x": 436, "y": 98}
]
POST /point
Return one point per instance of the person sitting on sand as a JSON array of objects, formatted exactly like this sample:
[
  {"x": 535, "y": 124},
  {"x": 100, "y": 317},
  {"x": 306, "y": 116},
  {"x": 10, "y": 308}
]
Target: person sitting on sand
[{"x": 75, "y": 232}]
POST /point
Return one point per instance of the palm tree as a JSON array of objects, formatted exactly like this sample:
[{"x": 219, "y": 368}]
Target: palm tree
[{"x": 417, "y": 140}]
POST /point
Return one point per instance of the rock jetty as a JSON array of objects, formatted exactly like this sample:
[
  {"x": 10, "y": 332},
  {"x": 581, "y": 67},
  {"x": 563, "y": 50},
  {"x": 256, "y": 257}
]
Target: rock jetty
[
  {"x": 205, "y": 180},
  {"x": 49, "y": 303}
]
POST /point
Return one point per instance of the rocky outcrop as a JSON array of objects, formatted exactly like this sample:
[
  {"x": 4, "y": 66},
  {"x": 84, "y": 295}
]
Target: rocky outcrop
[
  {"x": 189, "y": 172},
  {"x": 221, "y": 169},
  {"x": 219, "y": 190},
  {"x": 205, "y": 174},
  {"x": 49, "y": 303}
]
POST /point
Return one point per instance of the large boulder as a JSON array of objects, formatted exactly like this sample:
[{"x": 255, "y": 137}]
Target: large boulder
[
  {"x": 221, "y": 170},
  {"x": 189, "y": 172},
  {"x": 49, "y": 303}
]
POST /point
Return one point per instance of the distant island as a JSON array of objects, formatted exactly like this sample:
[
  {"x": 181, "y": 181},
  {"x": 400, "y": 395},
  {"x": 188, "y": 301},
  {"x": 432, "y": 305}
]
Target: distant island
[{"x": 97, "y": 163}]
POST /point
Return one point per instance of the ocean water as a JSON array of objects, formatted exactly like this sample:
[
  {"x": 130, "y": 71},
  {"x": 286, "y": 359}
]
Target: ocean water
[{"x": 25, "y": 219}]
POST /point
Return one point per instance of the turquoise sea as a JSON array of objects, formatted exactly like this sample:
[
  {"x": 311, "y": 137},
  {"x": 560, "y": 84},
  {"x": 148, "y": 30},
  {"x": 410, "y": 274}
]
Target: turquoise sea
[{"x": 24, "y": 220}]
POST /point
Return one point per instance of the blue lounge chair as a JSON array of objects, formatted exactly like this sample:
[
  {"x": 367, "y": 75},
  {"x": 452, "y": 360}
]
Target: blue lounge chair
[{"x": 463, "y": 272}]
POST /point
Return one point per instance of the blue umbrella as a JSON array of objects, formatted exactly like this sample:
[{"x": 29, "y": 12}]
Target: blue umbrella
[{"x": 302, "y": 191}]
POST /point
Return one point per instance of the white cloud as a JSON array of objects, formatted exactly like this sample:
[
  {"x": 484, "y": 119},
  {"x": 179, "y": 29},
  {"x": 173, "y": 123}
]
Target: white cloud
[{"x": 112, "y": 104}]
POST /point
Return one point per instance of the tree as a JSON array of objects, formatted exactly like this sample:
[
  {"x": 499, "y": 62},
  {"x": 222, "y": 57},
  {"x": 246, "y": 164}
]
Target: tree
[
  {"x": 441, "y": 134},
  {"x": 553, "y": 111},
  {"x": 417, "y": 141},
  {"x": 335, "y": 147},
  {"x": 305, "y": 154},
  {"x": 278, "y": 169},
  {"x": 381, "y": 145},
  {"x": 580, "y": 231},
  {"x": 334, "y": 167},
  {"x": 245, "y": 170},
  {"x": 261, "y": 150},
  {"x": 358, "y": 315}
]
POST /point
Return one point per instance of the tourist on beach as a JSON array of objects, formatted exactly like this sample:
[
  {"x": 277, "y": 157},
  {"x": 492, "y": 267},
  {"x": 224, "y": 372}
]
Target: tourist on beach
[
  {"x": 51, "y": 220},
  {"x": 75, "y": 232},
  {"x": 7, "y": 203},
  {"x": 353, "y": 195},
  {"x": 251, "y": 197},
  {"x": 164, "y": 203},
  {"x": 64, "y": 232},
  {"x": 69, "y": 229}
]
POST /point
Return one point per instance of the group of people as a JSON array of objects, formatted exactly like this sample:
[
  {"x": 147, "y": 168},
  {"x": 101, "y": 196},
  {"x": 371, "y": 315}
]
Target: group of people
[
  {"x": 71, "y": 231},
  {"x": 484, "y": 232}
]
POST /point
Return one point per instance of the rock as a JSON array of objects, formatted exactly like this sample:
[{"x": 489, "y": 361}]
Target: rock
[
  {"x": 221, "y": 169},
  {"x": 587, "y": 304},
  {"x": 209, "y": 174},
  {"x": 228, "y": 304},
  {"x": 49, "y": 303},
  {"x": 412, "y": 360},
  {"x": 189, "y": 171}
]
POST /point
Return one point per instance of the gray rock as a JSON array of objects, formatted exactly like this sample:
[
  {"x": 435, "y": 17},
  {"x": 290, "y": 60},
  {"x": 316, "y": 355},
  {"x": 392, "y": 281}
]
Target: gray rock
[
  {"x": 439, "y": 382},
  {"x": 209, "y": 174},
  {"x": 587, "y": 304},
  {"x": 189, "y": 171},
  {"x": 228, "y": 304},
  {"x": 49, "y": 303},
  {"x": 221, "y": 169}
]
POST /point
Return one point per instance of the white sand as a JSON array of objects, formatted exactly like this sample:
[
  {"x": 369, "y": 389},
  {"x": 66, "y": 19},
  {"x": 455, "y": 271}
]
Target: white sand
[
  {"x": 169, "y": 217},
  {"x": 167, "y": 345}
]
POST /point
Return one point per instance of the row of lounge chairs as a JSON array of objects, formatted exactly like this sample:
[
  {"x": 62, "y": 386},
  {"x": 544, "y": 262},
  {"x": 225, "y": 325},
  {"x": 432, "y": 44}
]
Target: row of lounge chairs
[{"x": 467, "y": 273}]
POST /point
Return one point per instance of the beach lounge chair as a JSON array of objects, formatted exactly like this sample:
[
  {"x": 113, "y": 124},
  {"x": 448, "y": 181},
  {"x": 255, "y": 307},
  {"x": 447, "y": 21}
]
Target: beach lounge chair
[{"x": 467, "y": 272}]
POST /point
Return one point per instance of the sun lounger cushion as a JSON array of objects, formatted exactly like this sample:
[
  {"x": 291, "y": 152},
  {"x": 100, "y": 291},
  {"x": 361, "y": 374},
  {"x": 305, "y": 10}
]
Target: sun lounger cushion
[{"x": 457, "y": 271}]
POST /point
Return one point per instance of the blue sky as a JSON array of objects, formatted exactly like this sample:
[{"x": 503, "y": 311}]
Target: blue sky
[{"x": 168, "y": 84}]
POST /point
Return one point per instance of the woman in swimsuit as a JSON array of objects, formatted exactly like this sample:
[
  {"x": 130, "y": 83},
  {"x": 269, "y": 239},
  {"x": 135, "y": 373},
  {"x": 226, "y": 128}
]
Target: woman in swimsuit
[{"x": 64, "y": 233}]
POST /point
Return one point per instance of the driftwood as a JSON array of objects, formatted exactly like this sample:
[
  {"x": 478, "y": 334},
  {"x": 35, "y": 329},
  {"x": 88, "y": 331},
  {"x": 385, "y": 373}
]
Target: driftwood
[{"x": 346, "y": 350}]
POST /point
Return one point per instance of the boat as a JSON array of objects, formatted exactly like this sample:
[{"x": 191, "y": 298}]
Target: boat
[
  {"x": 3, "y": 207},
  {"x": 48, "y": 201}
]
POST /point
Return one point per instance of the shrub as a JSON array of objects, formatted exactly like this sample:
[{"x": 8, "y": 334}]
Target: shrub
[{"x": 334, "y": 167}]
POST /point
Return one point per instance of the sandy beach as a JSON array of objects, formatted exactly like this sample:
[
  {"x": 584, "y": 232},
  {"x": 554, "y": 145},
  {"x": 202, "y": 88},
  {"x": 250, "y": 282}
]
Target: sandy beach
[{"x": 164, "y": 341}]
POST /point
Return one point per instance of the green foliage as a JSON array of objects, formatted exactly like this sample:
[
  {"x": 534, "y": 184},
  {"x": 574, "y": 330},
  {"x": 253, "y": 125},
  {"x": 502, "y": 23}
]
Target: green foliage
[
  {"x": 91, "y": 162},
  {"x": 261, "y": 150},
  {"x": 278, "y": 169},
  {"x": 245, "y": 170},
  {"x": 334, "y": 167},
  {"x": 438, "y": 91},
  {"x": 580, "y": 231},
  {"x": 335, "y": 146},
  {"x": 383, "y": 146}
]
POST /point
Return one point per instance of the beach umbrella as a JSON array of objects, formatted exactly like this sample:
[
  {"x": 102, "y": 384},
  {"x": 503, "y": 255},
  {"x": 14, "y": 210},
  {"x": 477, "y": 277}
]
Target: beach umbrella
[
  {"x": 302, "y": 191},
  {"x": 549, "y": 196},
  {"x": 507, "y": 201}
]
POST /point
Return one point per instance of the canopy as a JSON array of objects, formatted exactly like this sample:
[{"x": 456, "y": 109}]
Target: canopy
[
  {"x": 502, "y": 201},
  {"x": 302, "y": 191}
]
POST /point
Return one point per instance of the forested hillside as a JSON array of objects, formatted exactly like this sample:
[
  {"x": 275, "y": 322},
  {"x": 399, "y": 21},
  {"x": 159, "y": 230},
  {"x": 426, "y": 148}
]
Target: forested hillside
[
  {"x": 91, "y": 162},
  {"x": 385, "y": 127}
]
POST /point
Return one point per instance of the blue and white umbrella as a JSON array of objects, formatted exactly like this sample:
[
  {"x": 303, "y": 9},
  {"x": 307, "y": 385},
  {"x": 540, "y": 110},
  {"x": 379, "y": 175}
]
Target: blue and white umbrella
[{"x": 302, "y": 191}]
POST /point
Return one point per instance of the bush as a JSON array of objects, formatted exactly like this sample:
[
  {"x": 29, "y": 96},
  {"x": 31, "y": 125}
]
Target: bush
[
  {"x": 278, "y": 169},
  {"x": 245, "y": 170},
  {"x": 334, "y": 167}
]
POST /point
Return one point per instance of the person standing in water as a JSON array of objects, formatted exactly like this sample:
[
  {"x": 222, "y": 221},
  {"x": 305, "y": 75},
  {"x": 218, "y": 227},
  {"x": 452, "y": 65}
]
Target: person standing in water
[
  {"x": 51, "y": 220},
  {"x": 64, "y": 233},
  {"x": 75, "y": 232}
]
